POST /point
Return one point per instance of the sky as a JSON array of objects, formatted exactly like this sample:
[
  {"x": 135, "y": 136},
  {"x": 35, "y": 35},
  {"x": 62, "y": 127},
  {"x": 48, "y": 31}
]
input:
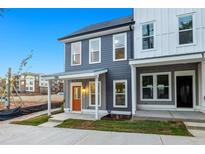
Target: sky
[{"x": 37, "y": 30}]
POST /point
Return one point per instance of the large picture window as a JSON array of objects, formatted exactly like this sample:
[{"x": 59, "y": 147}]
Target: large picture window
[
  {"x": 76, "y": 53},
  {"x": 148, "y": 36},
  {"x": 120, "y": 93},
  {"x": 185, "y": 29},
  {"x": 92, "y": 93},
  {"x": 120, "y": 47},
  {"x": 156, "y": 86},
  {"x": 95, "y": 51}
]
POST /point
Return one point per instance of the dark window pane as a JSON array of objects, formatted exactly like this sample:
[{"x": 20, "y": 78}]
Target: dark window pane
[
  {"x": 162, "y": 80},
  {"x": 148, "y": 43},
  {"x": 162, "y": 92},
  {"x": 148, "y": 30},
  {"x": 93, "y": 99},
  {"x": 185, "y": 23},
  {"x": 120, "y": 53},
  {"x": 120, "y": 87},
  {"x": 147, "y": 81},
  {"x": 120, "y": 99},
  {"x": 147, "y": 93},
  {"x": 186, "y": 37}
]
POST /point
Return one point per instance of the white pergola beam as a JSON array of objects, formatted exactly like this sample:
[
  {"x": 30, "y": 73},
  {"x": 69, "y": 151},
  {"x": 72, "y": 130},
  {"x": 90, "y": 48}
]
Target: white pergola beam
[
  {"x": 96, "y": 97},
  {"x": 49, "y": 97}
]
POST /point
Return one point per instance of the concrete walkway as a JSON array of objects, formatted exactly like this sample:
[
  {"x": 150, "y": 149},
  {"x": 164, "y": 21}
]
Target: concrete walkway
[{"x": 30, "y": 135}]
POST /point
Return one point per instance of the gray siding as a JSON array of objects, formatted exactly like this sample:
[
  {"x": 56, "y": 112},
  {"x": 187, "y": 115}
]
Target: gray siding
[
  {"x": 166, "y": 68},
  {"x": 116, "y": 70}
]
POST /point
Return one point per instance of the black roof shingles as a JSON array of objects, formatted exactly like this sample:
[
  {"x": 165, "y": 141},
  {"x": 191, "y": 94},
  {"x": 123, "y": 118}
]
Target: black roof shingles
[{"x": 100, "y": 27}]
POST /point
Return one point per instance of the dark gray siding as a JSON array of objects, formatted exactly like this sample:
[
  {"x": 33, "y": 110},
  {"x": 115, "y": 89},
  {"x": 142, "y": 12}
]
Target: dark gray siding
[
  {"x": 166, "y": 68},
  {"x": 119, "y": 70}
]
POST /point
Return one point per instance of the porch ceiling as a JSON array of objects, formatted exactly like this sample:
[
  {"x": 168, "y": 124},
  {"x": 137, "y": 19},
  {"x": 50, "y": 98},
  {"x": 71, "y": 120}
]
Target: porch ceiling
[{"x": 84, "y": 74}]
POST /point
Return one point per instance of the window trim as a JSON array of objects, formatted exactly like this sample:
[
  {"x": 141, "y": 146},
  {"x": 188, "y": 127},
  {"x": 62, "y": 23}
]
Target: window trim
[
  {"x": 154, "y": 75},
  {"x": 193, "y": 29},
  {"x": 99, "y": 39},
  {"x": 114, "y": 94},
  {"x": 100, "y": 93},
  {"x": 154, "y": 35},
  {"x": 113, "y": 45},
  {"x": 79, "y": 42}
]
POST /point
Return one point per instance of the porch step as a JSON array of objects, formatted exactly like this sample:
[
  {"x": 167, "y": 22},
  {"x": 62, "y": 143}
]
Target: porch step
[
  {"x": 167, "y": 119},
  {"x": 195, "y": 125}
]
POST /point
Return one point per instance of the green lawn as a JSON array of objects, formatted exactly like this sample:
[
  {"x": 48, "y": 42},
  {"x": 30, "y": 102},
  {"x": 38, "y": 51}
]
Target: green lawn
[
  {"x": 36, "y": 120},
  {"x": 138, "y": 126}
]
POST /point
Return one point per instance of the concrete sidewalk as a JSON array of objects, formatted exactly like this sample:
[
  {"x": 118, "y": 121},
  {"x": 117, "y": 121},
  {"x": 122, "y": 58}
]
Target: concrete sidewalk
[{"x": 33, "y": 135}]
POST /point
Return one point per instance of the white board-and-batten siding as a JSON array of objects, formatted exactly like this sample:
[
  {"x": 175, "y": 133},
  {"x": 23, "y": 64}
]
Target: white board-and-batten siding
[{"x": 166, "y": 31}]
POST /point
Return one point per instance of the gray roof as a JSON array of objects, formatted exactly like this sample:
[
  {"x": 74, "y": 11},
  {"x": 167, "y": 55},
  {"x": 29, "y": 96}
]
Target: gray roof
[{"x": 101, "y": 26}]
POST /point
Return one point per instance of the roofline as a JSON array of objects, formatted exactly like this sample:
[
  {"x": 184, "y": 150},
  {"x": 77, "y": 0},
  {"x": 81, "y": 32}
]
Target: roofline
[{"x": 98, "y": 30}]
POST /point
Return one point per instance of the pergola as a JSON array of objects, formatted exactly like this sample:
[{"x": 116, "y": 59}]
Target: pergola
[{"x": 76, "y": 75}]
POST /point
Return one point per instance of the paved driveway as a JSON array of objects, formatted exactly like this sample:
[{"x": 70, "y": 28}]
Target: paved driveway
[{"x": 18, "y": 134}]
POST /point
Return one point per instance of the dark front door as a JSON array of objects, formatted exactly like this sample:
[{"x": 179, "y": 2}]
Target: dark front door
[
  {"x": 76, "y": 98},
  {"x": 184, "y": 91}
]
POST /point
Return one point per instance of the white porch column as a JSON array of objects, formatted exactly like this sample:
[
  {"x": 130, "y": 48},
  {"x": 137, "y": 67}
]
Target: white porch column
[
  {"x": 134, "y": 91},
  {"x": 203, "y": 85},
  {"x": 96, "y": 97},
  {"x": 49, "y": 97}
]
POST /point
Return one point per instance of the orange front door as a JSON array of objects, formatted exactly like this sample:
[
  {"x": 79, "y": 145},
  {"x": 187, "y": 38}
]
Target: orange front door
[{"x": 76, "y": 98}]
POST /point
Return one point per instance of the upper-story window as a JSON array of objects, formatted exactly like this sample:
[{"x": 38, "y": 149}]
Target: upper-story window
[
  {"x": 95, "y": 51},
  {"x": 148, "y": 36},
  {"x": 120, "y": 47},
  {"x": 76, "y": 53},
  {"x": 185, "y": 29}
]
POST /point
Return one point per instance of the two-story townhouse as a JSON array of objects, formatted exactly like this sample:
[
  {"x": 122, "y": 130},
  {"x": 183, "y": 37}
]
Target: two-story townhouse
[
  {"x": 168, "y": 69},
  {"x": 97, "y": 73}
]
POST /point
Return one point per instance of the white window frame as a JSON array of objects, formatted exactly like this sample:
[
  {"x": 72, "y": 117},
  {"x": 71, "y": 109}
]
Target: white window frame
[
  {"x": 91, "y": 82},
  {"x": 90, "y": 41},
  {"x": 113, "y": 44},
  {"x": 72, "y": 52},
  {"x": 114, "y": 94},
  {"x": 154, "y": 75},
  {"x": 154, "y": 35},
  {"x": 193, "y": 29}
]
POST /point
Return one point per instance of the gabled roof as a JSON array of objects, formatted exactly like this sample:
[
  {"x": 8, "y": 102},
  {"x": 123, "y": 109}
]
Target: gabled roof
[{"x": 101, "y": 26}]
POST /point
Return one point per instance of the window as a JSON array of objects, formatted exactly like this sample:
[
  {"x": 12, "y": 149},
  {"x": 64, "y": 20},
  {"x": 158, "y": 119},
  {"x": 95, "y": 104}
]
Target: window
[
  {"x": 95, "y": 51},
  {"x": 156, "y": 86},
  {"x": 147, "y": 87},
  {"x": 31, "y": 82},
  {"x": 120, "y": 47},
  {"x": 148, "y": 36},
  {"x": 185, "y": 29},
  {"x": 120, "y": 93},
  {"x": 163, "y": 86},
  {"x": 92, "y": 93},
  {"x": 76, "y": 53}
]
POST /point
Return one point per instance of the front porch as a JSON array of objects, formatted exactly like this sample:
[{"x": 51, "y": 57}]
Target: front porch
[
  {"x": 83, "y": 91},
  {"x": 81, "y": 116},
  {"x": 186, "y": 116}
]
